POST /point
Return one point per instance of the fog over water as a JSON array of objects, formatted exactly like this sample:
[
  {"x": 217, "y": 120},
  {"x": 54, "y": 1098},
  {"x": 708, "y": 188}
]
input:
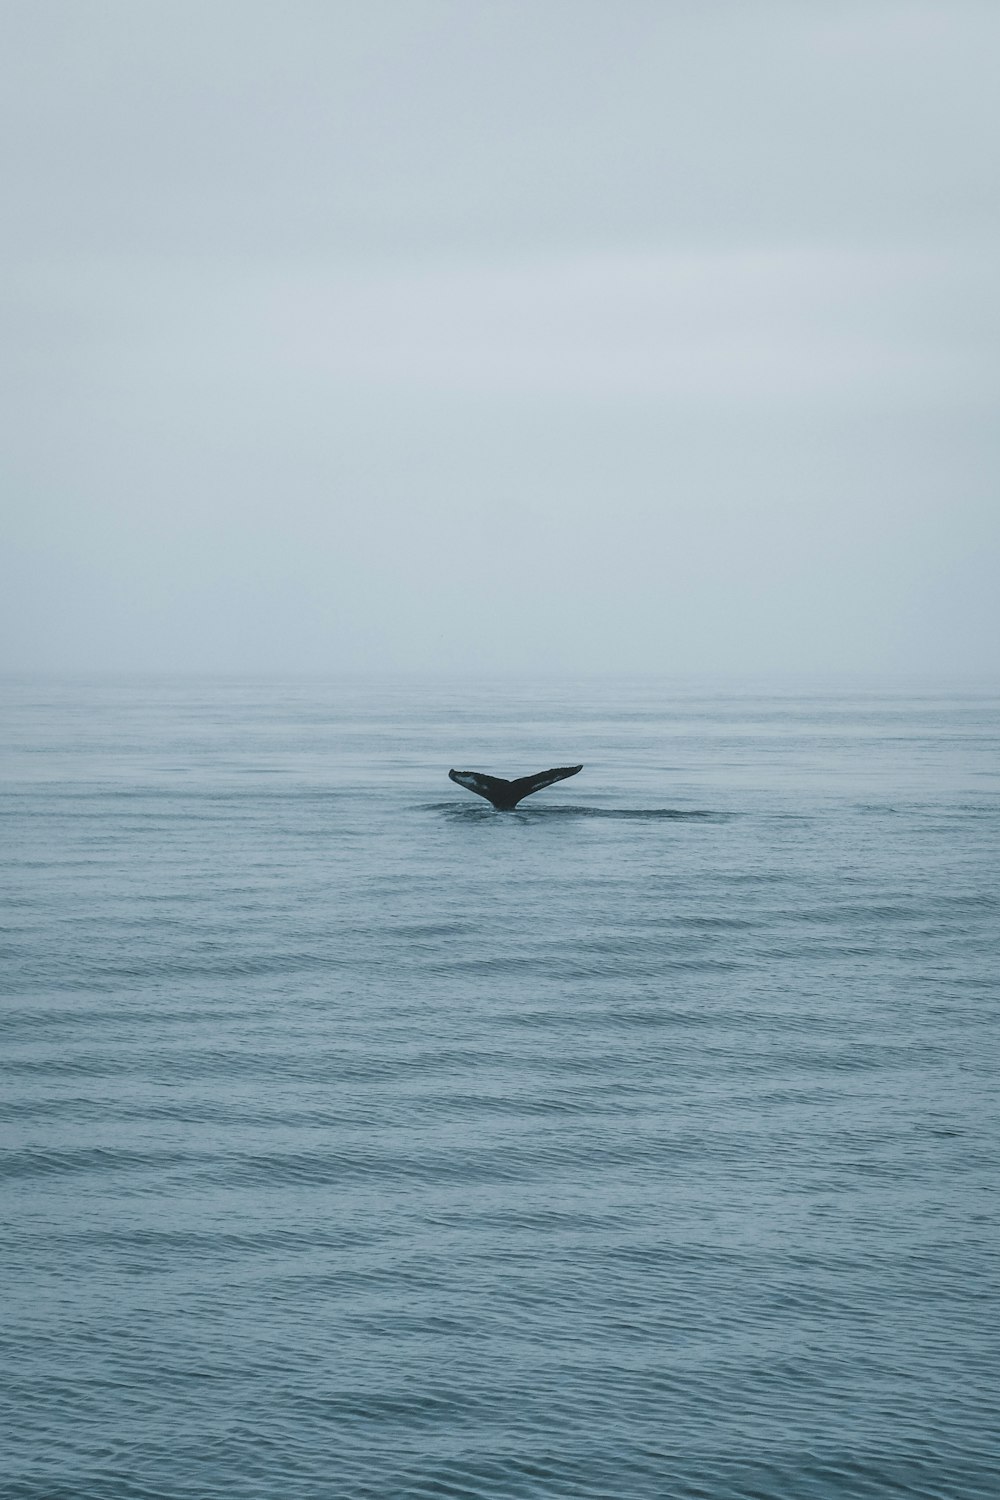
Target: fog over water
[
  {"x": 397, "y": 385},
  {"x": 462, "y": 336}
]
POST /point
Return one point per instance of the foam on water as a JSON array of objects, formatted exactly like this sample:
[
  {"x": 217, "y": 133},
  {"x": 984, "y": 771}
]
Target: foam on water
[{"x": 361, "y": 1141}]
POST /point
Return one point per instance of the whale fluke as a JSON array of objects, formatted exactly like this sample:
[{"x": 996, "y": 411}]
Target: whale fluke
[{"x": 507, "y": 794}]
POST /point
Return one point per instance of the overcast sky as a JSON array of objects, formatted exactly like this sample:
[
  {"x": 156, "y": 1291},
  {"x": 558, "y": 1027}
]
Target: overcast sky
[{"x": 521, "y": 335}]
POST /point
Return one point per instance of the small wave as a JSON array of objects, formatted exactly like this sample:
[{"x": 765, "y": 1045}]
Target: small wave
[
  {"x": 703, "y": 814},
  {"x": 641, "y": 814},
  {"x": 102, "y": 1160}
]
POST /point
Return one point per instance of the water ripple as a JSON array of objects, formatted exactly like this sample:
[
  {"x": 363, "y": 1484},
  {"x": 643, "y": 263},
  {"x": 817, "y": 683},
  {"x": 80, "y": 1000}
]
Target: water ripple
[{"x": 358, "y": 1143}]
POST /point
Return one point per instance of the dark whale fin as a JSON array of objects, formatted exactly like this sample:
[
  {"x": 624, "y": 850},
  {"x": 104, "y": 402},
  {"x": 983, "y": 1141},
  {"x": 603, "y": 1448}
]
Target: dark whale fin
[
  {"x": 507, "y": 794},
  {"x": 525, "y": 785}
]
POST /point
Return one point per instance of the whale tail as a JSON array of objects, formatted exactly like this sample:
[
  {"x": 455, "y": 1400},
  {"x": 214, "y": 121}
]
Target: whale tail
[{"x": 507, "y": 794}]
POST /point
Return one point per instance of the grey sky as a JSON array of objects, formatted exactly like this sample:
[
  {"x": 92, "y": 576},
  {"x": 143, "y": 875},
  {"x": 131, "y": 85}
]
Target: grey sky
[{"x": 543, "y": 335}]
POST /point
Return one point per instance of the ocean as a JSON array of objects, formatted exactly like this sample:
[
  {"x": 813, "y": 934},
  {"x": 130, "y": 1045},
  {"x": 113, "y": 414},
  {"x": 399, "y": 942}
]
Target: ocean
[{"x": 360, "y": 1141}]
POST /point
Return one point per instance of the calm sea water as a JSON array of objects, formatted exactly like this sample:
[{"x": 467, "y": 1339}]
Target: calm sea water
[{"x": 360, "y": 1141}]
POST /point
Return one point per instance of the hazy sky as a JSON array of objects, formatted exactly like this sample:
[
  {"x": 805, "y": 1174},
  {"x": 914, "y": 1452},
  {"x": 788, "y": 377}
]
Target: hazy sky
[{"x": 500, "y": 334}]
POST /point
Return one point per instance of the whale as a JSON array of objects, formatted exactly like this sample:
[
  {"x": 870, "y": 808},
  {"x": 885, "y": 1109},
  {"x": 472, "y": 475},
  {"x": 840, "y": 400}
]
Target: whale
[{"x": 505, "y": 795}]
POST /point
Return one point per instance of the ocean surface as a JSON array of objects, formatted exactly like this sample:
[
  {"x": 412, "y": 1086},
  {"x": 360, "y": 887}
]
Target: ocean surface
[{"x": 361, "y": 1141}]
